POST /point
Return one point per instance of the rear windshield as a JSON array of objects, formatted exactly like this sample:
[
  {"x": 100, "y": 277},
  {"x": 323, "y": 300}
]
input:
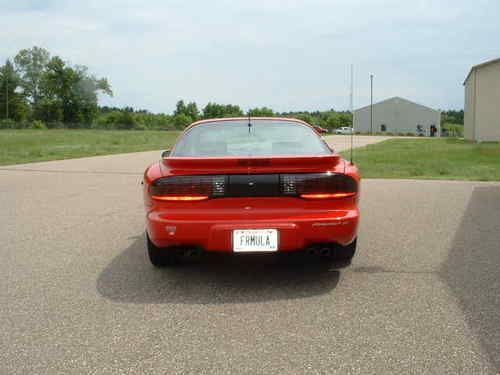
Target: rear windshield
[{"x": 236, "y": 138}]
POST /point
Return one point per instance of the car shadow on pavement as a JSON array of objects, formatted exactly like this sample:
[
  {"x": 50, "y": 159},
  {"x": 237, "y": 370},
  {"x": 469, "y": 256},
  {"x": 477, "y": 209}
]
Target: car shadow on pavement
[
  {"x": 131, "y": 278},
  {"x": 472, "y": 270}
]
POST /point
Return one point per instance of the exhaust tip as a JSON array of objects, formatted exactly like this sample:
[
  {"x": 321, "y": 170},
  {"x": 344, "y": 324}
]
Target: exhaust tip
[
  {"x": 325, "y": 252},
  {"x": 191, "y": 252}
]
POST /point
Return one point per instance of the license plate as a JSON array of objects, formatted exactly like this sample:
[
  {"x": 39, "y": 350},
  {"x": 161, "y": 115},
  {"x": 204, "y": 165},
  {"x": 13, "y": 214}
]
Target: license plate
[{"x": 255, "y": 240}]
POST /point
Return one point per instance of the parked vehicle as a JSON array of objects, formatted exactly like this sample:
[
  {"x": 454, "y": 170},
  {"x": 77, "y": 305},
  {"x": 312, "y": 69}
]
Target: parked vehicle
[
  {"x": 344, "y": 130},
  {"x": 420, "y": 131},
  {"x": 264, "y": 185}
]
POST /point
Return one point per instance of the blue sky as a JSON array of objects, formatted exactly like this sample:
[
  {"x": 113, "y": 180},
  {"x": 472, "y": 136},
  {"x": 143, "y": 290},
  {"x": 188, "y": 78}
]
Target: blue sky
[{"x": 288, "y": 55}]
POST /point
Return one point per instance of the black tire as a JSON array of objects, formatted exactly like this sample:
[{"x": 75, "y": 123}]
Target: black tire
[
  {"x": 345, "y": 253},
  {"x": 162, "y": 257}
]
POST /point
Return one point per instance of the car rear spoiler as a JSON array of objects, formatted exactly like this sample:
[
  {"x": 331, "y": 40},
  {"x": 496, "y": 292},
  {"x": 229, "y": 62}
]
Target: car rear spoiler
[{"x": 252, "y": 164}]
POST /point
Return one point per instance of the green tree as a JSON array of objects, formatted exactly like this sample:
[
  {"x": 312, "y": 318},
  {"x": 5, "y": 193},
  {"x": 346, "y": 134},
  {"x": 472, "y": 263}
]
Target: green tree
[
  {"x": 12, "y": 99},
  {"x": 214, "y": 110},
  {"x": 190, "y": 110},
  {"x": 73, "y": 90},
  {"x": 261, "y": 112},
  {"x": 345, "y": 119},
  {"x": 181, "y": 121},
  {"x": 85, "y": 94},
  {"x": 452, "y": 116},
  {"x": 48, "y": 110},
  {"x": 180, "y": 108},
  {"x": 305, "y": 117},
  {"x": 31, "y": 65},
  {"x": 126, "y": 120}
]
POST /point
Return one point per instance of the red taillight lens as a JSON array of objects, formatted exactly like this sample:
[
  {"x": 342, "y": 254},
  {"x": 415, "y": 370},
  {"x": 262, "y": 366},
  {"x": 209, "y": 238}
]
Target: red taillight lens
[
  {"x": 188, "y": 188},
  {"x": 327, "y": 196},
  {"x": 319, "y": 185},
  {"x": 182, "y": 198}
]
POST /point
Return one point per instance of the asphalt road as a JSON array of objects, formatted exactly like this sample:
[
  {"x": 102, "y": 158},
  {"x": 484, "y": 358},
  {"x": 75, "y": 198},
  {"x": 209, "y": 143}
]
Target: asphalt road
[{"x": 79, "y": 296}]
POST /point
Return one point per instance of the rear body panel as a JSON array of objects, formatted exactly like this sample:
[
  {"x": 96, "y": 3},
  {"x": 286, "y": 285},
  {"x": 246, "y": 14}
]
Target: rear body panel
[{"x": 209, "y": 224}]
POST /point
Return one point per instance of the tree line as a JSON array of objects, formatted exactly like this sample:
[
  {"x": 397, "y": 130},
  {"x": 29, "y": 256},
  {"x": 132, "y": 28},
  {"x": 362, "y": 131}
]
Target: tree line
[
  {"x": 452, "y": 117},
  {"x": 38, "y": 90},
  {"x": 38, "y": 87},
  {"x": 187, "y": 112}
]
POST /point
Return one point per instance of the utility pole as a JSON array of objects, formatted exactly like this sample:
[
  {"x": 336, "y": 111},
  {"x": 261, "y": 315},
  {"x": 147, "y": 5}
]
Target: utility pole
[
  {"x": 6, "y": 95},
  {"x": 371, "y": 104}
]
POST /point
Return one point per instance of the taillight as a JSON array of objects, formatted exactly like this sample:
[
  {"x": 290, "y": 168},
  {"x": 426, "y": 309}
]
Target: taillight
[
  {"x": 327, "y": 196},
  {"x": 188, "y": 188},
  {"x": 304, "y": 185},
  {"x": 181, "y": 198},
  {"x": 318, "y": 185}
]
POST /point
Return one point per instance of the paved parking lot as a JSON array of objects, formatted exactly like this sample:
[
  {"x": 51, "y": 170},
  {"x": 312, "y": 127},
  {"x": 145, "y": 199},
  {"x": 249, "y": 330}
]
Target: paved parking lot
[
  {"x": 343, "y": 142},
  {"x": 79, "y": 296}
]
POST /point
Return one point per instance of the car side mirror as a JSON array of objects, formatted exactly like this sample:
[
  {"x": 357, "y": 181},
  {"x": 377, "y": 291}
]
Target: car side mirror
[{"x": 165, "y": 154}]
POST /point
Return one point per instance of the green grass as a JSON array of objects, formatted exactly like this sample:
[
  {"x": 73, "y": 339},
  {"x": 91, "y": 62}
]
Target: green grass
[
  {"x": 442, "y": 159},
  {"x": 25, "y": 146}
]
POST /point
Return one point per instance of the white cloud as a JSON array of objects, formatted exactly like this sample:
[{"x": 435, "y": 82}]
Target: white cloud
[{"x": 284, "y": 54}]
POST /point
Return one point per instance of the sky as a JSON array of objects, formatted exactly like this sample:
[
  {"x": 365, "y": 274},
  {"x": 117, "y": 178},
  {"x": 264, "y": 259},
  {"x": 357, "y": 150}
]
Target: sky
[{"x": 286, "y": 55}]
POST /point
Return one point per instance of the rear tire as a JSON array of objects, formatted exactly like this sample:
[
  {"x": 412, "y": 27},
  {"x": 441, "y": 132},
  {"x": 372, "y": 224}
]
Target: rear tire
[
  {"x": 161, "y": 257},
  {"x": 345, "y": 253}
]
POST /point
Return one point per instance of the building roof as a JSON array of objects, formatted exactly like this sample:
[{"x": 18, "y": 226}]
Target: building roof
[
  {"x": 395, "y": 98},
  {"x": 489, "y": 62}
]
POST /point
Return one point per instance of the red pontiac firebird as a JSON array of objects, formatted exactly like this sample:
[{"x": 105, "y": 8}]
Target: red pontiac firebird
[{"x": 251, "y": 185}]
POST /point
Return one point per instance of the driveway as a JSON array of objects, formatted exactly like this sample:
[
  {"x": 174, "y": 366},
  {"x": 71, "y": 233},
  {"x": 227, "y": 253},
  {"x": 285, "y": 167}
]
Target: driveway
[
  {"x": 79, "y": 296},
  {"x": 343, "y": 142}
]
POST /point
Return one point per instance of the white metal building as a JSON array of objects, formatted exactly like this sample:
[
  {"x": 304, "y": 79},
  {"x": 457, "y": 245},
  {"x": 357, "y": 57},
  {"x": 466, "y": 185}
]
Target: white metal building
[
  {"x": 397, "y": 115},
  {"x": 482, "y": 102}
]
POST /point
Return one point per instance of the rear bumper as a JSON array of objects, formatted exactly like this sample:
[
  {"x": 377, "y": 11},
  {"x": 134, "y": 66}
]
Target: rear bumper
[{"x": 294, "y": 233}]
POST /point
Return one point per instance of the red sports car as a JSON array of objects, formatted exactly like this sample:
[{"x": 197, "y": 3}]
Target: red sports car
[{"x": 251, "y": 185}]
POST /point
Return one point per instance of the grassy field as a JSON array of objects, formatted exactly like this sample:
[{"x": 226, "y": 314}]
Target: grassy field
[
  {"x": 445, "y": 159},
  {"x": 24, "y": 146}
]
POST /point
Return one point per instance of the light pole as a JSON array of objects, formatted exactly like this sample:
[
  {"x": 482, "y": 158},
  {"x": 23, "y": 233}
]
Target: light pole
[
  {"x": 6, "y": 95},
  {"x": 371, "y": 104}
]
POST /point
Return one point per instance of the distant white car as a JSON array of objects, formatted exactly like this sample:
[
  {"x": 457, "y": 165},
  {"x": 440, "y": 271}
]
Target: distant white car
[{"x": 344, "y": 130}]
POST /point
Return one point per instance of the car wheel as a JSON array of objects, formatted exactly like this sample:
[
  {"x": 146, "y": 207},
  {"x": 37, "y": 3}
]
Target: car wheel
[{"x": 161, "y": 257}]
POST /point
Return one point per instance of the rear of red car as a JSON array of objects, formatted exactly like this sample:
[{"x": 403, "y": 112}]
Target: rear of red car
[{"x": 240, "y": 186}]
